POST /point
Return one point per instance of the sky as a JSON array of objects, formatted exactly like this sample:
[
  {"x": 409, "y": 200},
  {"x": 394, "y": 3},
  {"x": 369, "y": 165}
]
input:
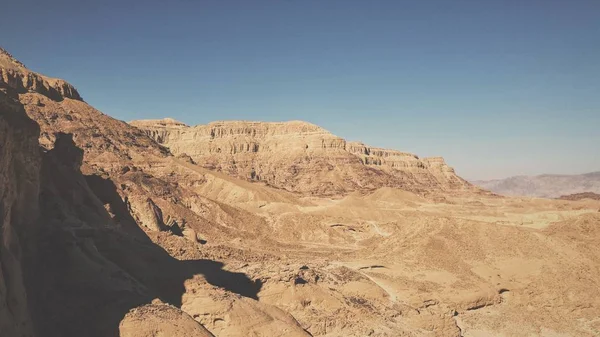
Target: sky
[{"x": 498, "y": 88}]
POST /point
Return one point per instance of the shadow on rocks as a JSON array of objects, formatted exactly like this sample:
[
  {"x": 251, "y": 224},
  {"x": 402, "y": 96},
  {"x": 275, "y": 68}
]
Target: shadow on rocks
[{"x": 92, "y": 266}]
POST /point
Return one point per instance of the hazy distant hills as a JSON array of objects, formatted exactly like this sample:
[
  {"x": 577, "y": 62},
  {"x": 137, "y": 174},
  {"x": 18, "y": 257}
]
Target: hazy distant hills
[{"x": 545, "y": 185}]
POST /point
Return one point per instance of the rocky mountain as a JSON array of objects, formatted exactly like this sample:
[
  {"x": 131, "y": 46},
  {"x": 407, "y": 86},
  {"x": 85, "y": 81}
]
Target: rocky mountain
[
  {"x": 543, "y": 186},
  {"x": 94, "y": 225},
  {"x": 17, "y": 76},
  {"x": 105, "y": 232},
  {"x": 20, "y": 164},
  {"x": 301, "y": 157}
]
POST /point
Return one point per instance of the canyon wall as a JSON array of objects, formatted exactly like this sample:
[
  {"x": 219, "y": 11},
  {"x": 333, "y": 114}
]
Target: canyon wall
[
  {"x": 14, "y": 74},
  {"x": 97, "y": 237},
  {"x": 300, "y": 157},
  {"x": 20, "y": 163}
]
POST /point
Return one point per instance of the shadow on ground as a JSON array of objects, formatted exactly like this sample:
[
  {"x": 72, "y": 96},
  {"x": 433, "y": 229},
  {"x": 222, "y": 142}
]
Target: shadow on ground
[{"x": 90, "y": 267}]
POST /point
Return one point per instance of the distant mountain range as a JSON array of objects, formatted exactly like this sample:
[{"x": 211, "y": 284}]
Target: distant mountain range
[{"x": 543, "y": 186}]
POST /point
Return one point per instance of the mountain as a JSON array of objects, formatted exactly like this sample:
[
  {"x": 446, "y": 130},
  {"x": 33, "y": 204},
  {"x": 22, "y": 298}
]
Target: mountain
[
  {"x": 543, "y": 186},
  {"x": 17, "y": 76},
  {"x": 97, "y": 231},
  {"x": 301, "y": 157},
  {"x": 106, "y": 231}
]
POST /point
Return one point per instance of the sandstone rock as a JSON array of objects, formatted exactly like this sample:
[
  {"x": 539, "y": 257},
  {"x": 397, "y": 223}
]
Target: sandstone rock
[
  {"x": 75, "y": 261},
  {"x": 150, "y": 320},
  {"x": 228, "y": 315},
  {"x": 149, "y": 215},
  {"x": 92, "y": 263},
  {"x": 300, "y": 157},
  {"x": 14, "y": 74}
]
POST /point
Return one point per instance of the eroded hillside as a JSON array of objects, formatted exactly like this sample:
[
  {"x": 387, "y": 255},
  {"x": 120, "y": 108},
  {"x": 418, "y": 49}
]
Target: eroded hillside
[
  {"x": 301, "y": 157},
  {"x": 106, "y": 232}
]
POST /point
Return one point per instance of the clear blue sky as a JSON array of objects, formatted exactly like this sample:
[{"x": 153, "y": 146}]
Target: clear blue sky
[{"x": 498, "y": 88}]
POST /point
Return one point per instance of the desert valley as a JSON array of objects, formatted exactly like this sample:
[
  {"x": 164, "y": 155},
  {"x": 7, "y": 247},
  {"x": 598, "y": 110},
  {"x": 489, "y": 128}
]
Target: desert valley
[{"x": 240, "y": 228}]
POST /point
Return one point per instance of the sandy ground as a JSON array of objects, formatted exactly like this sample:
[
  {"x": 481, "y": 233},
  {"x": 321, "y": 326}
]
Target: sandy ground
[{"x": 391, "y": 262}]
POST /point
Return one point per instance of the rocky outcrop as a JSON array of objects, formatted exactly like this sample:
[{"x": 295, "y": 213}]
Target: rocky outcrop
[
  {"x": 14, "y": 74},
  {"x": 149, "y": 320},
  {"x": 105, "y": 233},
  {"x": 149, "y": 215},
  {"x": 20, "y": 163},
  {"x": 300, "y": 157},
  {"x": 83, "y": 196}
]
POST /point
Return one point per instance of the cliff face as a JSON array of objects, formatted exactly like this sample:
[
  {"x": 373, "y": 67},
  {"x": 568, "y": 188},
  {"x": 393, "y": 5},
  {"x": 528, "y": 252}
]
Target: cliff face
[
  {"x": 103, "y": 232},
  {"x": 89, "y": 207},
  {"x": 57, "y": 107},
  {"x": 19, "y": 188},
  {"x": 300, "y": 157},
  {"x": 15, "y": 75}
]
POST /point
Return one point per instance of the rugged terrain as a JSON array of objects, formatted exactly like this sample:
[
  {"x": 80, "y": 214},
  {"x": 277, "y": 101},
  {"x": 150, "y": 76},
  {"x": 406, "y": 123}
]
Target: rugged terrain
[
  {"x": 543, "y": 186},
  {"x": 109, "y": 230},
  {"x": 300, "y": 157}
]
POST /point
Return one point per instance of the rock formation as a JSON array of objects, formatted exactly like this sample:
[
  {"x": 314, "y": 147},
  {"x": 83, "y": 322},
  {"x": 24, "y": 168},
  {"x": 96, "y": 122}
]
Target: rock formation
[
  {"x": 105, "y": 232},
  {"x": 300, "y": 157},
  {"x": 20, "y": 164},
  {"x": 15, "y": 75},
  {"x": 79, "y": 214}
]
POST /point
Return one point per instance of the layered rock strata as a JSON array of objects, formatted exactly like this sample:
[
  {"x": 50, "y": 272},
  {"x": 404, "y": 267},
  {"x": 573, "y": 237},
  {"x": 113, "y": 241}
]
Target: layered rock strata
[{"x": 300, "y": 157}]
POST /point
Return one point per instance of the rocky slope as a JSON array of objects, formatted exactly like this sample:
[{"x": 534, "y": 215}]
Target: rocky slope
[
  {"x": 20, "y": 163},
  {"x": 14, "y": 74},
  {"x": 543, "y": 186},
  {"x": 56, "y": 277},
  {"x": 581, "y": 196},
  {"x": 94, "y": 225},
  {"x": 300, "y": 157},
  {"x": 106, "y": 233}
]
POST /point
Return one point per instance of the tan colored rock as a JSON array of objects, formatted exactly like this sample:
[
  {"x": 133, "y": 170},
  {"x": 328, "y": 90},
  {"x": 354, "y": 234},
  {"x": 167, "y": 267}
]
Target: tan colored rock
[
  {"x": 148, "y": 215},
  {"x": 159, "y": 319},
  {"x": 14, "y": 74},
  {"x": 77, "y": 259},
  {"x": 229, "y": 315},
  {"x": 300, "y": 157},
  {"x": 95, "y": 262}
]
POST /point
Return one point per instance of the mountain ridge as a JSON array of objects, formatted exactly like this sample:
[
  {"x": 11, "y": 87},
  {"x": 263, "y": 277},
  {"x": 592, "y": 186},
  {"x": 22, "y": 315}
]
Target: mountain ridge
[
  {"x": 289, "y": 154},
  {"x": 110, "y": 203},
  {"x": 544, "y": 185},
  {"x": 167, "y": 121},
  {"x": 104, "y": 232},
  {"x": 14, "y": 74}
]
